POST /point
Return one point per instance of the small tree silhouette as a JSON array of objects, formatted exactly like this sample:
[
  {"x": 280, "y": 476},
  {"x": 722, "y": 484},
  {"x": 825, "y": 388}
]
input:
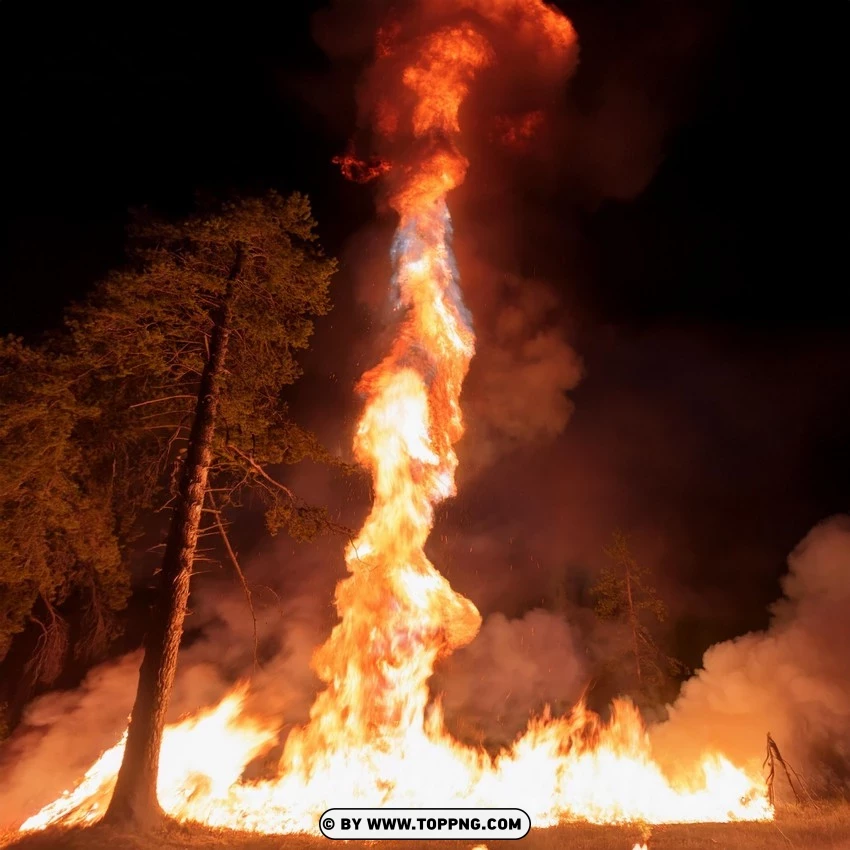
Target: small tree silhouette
[{"x": 625, "y": 594}]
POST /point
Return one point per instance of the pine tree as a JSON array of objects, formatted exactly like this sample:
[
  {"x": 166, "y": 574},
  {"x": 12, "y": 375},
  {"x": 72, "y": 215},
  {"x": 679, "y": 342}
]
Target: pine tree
[
  {"x": 195, "y": 342},
  {"x": 625, "y": 595},
  {"x": 59, "y": 530}
]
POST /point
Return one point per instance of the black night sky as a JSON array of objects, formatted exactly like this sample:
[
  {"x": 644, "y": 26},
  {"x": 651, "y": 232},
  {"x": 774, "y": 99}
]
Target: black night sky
[{"x": 695, "y": 243}]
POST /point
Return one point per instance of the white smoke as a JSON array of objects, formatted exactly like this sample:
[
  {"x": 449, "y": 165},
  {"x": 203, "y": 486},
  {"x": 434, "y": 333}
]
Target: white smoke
[
  {"x": 512, "y": 669},
  {"x": 792, "y": 680},
  {"x": 64, "y": 732},
  {"x": 517, "y": 388}
]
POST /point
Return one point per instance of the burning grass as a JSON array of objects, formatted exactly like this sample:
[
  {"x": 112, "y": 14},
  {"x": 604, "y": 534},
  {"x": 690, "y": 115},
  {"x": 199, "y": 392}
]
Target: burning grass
[{"x": 812, "y": 827}]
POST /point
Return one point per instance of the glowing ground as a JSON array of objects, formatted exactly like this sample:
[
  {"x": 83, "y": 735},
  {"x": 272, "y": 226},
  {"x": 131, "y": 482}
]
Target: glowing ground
[{"x": 825, "y": 827}]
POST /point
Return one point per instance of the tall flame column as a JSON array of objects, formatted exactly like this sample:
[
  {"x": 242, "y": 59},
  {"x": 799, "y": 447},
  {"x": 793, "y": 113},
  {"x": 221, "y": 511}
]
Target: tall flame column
[{"x": 398, "y": 614}]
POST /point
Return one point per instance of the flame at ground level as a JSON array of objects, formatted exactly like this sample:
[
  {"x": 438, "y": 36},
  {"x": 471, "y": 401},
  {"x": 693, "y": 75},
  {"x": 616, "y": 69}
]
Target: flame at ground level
[{"x": 561, "y": 769}]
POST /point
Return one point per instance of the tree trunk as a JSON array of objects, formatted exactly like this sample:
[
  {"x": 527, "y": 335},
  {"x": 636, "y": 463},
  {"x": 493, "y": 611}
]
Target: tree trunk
[
  {"x": 134, "y": 800},
  {"x": 633, "y": 623}
]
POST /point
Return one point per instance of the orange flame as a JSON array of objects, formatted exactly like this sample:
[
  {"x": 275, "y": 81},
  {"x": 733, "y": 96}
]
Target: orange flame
[
  {"x": 441, "y": 78},
  {"x": 375, "y": 737},
  {"x": 360, "y": 170}
]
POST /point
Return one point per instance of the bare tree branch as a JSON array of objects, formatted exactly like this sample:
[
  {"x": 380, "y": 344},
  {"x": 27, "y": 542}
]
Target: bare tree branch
[
  {"x": 158, "y": 400},
  {"x": 260, "y": 471},
  {"x": 235, "y": 562},
  {"x": 46, "y": 662}
]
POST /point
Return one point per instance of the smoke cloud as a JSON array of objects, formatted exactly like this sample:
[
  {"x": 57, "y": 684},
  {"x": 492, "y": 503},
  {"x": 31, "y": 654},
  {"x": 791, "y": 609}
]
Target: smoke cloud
[
  {"x": 792, "y": 680},
  {"x": 60, "y": 737},
  {"x": 64, "y": 732},
  {"x": 516, "y": 391},
  {"x": 511, "y": 669},
  {"x": 516, "y": 665}
]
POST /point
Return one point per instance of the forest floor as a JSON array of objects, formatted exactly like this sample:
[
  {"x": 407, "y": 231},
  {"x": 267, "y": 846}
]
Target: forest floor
[{"x": 822, "y": 827}]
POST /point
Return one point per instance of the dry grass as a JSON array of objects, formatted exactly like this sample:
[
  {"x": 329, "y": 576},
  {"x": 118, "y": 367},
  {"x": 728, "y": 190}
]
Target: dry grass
[{"x": 805, "y": 828}]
